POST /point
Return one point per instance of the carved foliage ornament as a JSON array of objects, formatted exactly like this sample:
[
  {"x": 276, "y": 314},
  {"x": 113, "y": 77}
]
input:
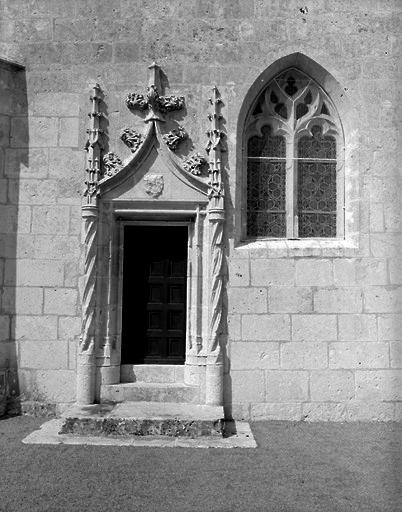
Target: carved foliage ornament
[
  {"x": 194, "y": 164},
  {"x": 175, "y": 137},
  {"x": 131, "y": 139},
  {"x": 112, "y": 164},
  {"x": 154, "y": 101}
]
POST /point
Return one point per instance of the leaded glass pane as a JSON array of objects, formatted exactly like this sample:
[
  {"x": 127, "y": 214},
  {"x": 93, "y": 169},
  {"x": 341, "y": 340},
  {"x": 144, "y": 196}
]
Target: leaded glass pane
[
  {"x": 317, "y": 146},
  {"x": 267, "y": 145},
  {"x": 322, "y": 225},
  {"x": 266, "y": 198},
  {"x": 317, "y": 199}
]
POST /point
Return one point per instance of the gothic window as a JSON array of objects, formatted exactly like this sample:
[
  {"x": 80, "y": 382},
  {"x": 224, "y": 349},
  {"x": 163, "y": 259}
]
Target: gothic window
[{"x": 294, "y": 144}]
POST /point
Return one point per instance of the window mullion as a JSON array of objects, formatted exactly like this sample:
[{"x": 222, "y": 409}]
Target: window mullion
[{"x": 290, "y": 189}]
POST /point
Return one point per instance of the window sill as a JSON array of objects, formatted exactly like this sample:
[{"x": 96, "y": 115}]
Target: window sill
[{"x": 298, "y": 248}]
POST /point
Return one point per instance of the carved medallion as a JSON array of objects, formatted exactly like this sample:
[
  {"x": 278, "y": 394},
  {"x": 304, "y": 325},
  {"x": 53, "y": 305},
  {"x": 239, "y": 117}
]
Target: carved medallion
[{"x": 154, "y": 185}]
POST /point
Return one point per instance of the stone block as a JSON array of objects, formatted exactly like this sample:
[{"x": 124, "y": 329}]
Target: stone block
[
  {"x": 69, "y": 132},
  {"x": 378, "y": 385},
  {"x": 234, "y": 327},
  {"x": 34, "y": 273},
  {"x": 313, "y": 272},
  {"x": 266, "y": 327},
  {"x": 8, "y": 219},
  {"x": 27, "y": 164},
  {"x": 4, "y": 131},
  {"x": 42, "y": 132},
  {"x": 330, "y": 386},
  {"x": 35, "y": 327},
  {"x": 314, "y": 328},
  {"x": 282, "y": 412},
  {"x": 3, "y": 190},
  {"x": 14, "y": 219},
  {"x": 290, "y": 299},
  {"x": 50, "y": 219},
  {"x": 344, "y": 272},
  {"x": 126, "y": 52},
  {"x": 369, "y": 411},
  {"x": 60, "y": 301},
  {"x": 326, "y": 411},
  {"x": 307, "y": 355},
  {"x": 4, "y": 328},
  {"x": 33, "y": 191},
  {"x": 266, "y": 272},
  {"x": 251, "y": 355},
  {"x": 390, "y": 327},
  {"x": 395, "y": 270},
  {"x": 377, "y": 217},
  {"x": 341, "y": 300},
  {"x": 43, "y": 354},
  {"x": 286, "y": 386},
  {"x": 396, "y": 354},
  {"x": 56, "y": 104},
  {"x": 247, "y": 300},
  {"x": 239, "y": 274},
  {"x": 372, "y": 272},
  {"x": 52, "y": 385},
  {"x": 247, "y": 386},
  {"x": 72, "y": 272},
  {"x": 357, "y": 327},
  {"x": 69, "y": 327},
  {"x": 386, "y": 245},
  {"x": 54, "y": 247},
  {"x": 358, "y": 354},
  {"x": 379, "y": 299},
  {"x": 22, "y": 300}
]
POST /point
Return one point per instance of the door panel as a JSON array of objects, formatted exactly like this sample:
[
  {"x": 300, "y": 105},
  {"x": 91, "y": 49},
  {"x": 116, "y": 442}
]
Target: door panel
[{"x": 154, "y": 295}]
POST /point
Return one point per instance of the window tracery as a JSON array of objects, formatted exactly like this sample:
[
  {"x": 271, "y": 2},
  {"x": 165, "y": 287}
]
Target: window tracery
[{"x": 294, "y": 140}]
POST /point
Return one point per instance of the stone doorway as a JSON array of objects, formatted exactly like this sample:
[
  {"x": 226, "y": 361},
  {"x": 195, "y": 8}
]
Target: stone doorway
[{"x": 154, "y": 294}]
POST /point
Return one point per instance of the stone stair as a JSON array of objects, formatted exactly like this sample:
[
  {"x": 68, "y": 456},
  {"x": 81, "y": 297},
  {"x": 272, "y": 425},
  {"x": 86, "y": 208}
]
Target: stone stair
[
  {"x": 151, "y": 383},
  {"x": 144, "y": 419}
]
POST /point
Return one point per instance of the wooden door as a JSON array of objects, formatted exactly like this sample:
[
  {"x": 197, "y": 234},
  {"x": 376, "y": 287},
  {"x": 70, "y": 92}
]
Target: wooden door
[{"x": 154, "y": 295}]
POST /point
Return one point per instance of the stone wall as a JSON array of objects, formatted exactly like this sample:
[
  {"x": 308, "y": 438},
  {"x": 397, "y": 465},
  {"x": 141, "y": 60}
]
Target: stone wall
[{"x": 313, "y": 335}]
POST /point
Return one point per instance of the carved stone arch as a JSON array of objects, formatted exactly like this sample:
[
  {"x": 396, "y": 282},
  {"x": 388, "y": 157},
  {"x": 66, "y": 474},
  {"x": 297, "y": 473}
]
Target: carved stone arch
[{"x": 349, "y": 125}]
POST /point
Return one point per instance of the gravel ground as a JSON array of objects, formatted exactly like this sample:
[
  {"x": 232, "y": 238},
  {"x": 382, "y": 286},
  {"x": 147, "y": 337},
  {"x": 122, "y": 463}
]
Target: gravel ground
[{"x": 296, "y": 467}]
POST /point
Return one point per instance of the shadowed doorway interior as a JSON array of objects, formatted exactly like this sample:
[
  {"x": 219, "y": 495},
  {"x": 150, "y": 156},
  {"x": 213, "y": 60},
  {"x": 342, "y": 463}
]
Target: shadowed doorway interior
[{"x": 154, "y": 294}]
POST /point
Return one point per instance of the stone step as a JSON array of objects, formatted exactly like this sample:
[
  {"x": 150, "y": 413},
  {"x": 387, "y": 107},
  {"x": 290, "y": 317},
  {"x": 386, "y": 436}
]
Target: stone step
[
  {"x": 143, "y": 419},
  {"x": 151, "y": 373},
  {"x": 149, "y": 392}
]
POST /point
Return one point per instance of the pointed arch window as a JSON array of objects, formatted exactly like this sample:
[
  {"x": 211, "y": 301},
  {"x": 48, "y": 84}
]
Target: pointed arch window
[{"x": 294, "y": 145}]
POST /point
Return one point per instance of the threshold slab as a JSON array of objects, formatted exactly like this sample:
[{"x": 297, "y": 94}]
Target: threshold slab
[{"x": 238, "y": 435}]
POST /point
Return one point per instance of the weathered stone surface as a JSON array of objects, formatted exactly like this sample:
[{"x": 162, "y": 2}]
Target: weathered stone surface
[
  {"x": 331, "y": 386},
  {"x": 43, "y": 354},
  {"x": 290, "y": 299},
  {"x": 22, "y": 300},
  {"x": 390, "y": 327},
  {"x": 266, "y": 327},
  {"x": 239, "y": 274},
  {"x": 342, "y": 300},
  {"x": 357, "y": 327},
  {"x": 250, "y": 355},
  {"x": 35, "y": 327},
  {"x": 62, "y": 301},
  {"x": 383, "y": 300},
  {"x": 269, "y": 411},
  {"x": 314, "y": 328},
  {"x": 286, "y": 386},
  {"x": 374, "y": 385},
  {"x": 358, "y": 354},
  {"x": 247, "y": 300},
  {"x": 247, "y": 386},
  {"x": 314, "y": 273},
  {"x": 307, "y": 355},
  {"x": 272, "y": 272}
]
